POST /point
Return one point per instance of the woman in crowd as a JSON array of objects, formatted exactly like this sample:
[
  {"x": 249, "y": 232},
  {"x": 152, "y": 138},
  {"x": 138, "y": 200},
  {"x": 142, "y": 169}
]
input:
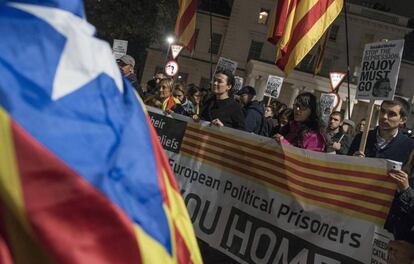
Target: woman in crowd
[
  {"x": 179, "y": 93},
  {"x": 360, "y": 127},
  {"x": 401, "y": 217},
  {"x": 165, "y": 99},
  {"x": 270, "y": 120},
  {"x": 194, "y": 96},
  {"x": 305, "y": 131},
  {"x": 220, "y": 109},
  {"x": 283, "y": 120}
]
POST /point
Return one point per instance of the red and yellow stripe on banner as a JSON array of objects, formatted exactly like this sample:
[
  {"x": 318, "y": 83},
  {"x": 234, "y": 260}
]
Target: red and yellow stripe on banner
[
  {"x": 297, "y": 26},
  {"x": 359, "y": 191},
  {"x": 186, "y": 23},
  {"x": 49, "y": 214}
]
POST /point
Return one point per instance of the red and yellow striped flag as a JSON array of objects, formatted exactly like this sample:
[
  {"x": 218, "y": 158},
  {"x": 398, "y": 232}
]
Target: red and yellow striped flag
[
  {"x": 186, "y": 22},
  {"x": 296, "y": 27}
]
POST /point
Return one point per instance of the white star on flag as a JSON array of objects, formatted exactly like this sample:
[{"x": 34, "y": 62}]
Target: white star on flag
[{"x": 84, "y": 57}]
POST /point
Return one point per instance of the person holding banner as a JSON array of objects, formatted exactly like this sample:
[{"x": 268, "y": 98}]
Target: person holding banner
[
  {"x": 305, "y": 130},
  {"x": 386, "y": 141},
  {"x": 401, "y": 217},
  {"x": 220, "y": 109}
]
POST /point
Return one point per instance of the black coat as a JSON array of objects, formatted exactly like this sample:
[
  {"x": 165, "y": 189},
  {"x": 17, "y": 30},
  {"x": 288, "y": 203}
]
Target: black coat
[
  {"x": 228, "y": 111},
  {"x": 400, "y": 220},
  {"x": 398, "y": 149}
]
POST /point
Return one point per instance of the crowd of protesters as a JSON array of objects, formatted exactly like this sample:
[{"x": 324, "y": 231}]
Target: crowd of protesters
[{"x": 301, "y": 127}]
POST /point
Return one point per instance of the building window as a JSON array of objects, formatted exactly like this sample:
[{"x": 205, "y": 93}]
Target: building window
[
  {"x": 263, "y": 16},
  {"x": 307, "y": 63},
  {"x": 333, "y": 33},
  {"x": 215, "y": 43},
  {"x": 182, "y": 77},
  {"x": 255, "y": 50},
  {"x": 205, "y": 83},
  {"x": 326, "y": 66}
]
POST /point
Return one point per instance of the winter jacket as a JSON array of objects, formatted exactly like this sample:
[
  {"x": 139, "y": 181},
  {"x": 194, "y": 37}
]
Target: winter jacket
[
  {"x": 228, "y": 111},
  {"x": 398, "y": 149},
  {"x": 254, "y": 117},
  {"x": 312, "y": 140}
]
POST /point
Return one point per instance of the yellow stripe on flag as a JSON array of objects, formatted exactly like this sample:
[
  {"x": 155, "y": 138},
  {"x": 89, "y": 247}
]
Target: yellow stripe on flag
[{"x": 312, "y": 36}]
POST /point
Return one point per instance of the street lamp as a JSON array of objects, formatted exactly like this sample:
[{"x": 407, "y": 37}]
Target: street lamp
[{"x": 170, "y": 40}]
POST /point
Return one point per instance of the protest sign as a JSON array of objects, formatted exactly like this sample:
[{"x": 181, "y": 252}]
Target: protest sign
[
  {"x": 119, "y": 48},
  {"x": 238, "y": 83},
  {"x": 328, "y": 102},
  {"x": 273, "y": 86},
  {"x": 379, "y": 70},
  {"x": 258, "y": 202},
  {"x": 226, "y": 64}
]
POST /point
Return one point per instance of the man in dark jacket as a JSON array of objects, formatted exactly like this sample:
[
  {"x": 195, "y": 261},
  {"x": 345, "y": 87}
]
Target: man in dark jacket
[
  {"x": 253, "y": 110},
  {"x": 337, "y": 141},
  {"x": 386, "y": 141},
  {"x": 126, "y": 64}
]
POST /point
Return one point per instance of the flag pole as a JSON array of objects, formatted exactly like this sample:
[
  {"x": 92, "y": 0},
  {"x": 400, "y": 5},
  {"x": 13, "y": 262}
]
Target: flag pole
[
  {"x": 347, "y": 58},
  {"x": 211, "y": 40}
]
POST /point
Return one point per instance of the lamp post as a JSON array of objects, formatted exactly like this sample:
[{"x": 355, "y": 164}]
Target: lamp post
[{"x": 170, "y": 40}]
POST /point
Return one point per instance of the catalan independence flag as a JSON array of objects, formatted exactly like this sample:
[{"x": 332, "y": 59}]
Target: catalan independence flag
[
  {"x": 297, "y": 25},
  {"x": 83, "y": 178},
  {"x": 186, "y": 23}
]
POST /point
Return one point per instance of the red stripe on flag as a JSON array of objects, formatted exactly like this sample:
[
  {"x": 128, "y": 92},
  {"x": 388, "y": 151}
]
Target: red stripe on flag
[
  {"x": 186, "y": 17},
  {"x": 183, "y": 254},
  {"x": 182, "y": 251},
  {"x": 190, "y": 45},
  {"x": 303, "y": 27},
  {"x": 74, "y": 221},
  {"x": 284, "y": 9}
]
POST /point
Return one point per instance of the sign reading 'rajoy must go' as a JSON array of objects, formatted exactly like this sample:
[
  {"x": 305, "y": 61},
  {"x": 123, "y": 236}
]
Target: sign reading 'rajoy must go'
[
  {"x": 380, "y": 67},
  {"x": 258, "y": 202}
]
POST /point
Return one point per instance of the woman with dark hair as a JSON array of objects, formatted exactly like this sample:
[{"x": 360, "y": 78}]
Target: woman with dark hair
[
  {"x": 221, "y": 109},
  {"x": 305, "y": 131},
  {"x": 283, "y": 120},
  {"x": 194, "y": 96}
]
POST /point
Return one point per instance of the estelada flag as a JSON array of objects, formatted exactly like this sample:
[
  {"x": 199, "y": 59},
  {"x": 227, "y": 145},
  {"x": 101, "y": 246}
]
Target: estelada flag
[
  {"x": 186, "y": 23},
  {"x": 297, "y": 25},
  {"x": 83, "y": 178}
]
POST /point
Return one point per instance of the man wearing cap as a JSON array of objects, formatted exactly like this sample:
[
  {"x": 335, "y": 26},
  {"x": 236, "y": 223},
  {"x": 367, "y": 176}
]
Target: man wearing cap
[
  {"x": 126, "y": 63},
  {"x": 253, "y": 110},
  {"x": 348, "y": 127}
]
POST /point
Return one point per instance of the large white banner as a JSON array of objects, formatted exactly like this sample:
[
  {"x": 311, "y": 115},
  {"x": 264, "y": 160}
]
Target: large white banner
[{"x": 258, "y": 202}]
